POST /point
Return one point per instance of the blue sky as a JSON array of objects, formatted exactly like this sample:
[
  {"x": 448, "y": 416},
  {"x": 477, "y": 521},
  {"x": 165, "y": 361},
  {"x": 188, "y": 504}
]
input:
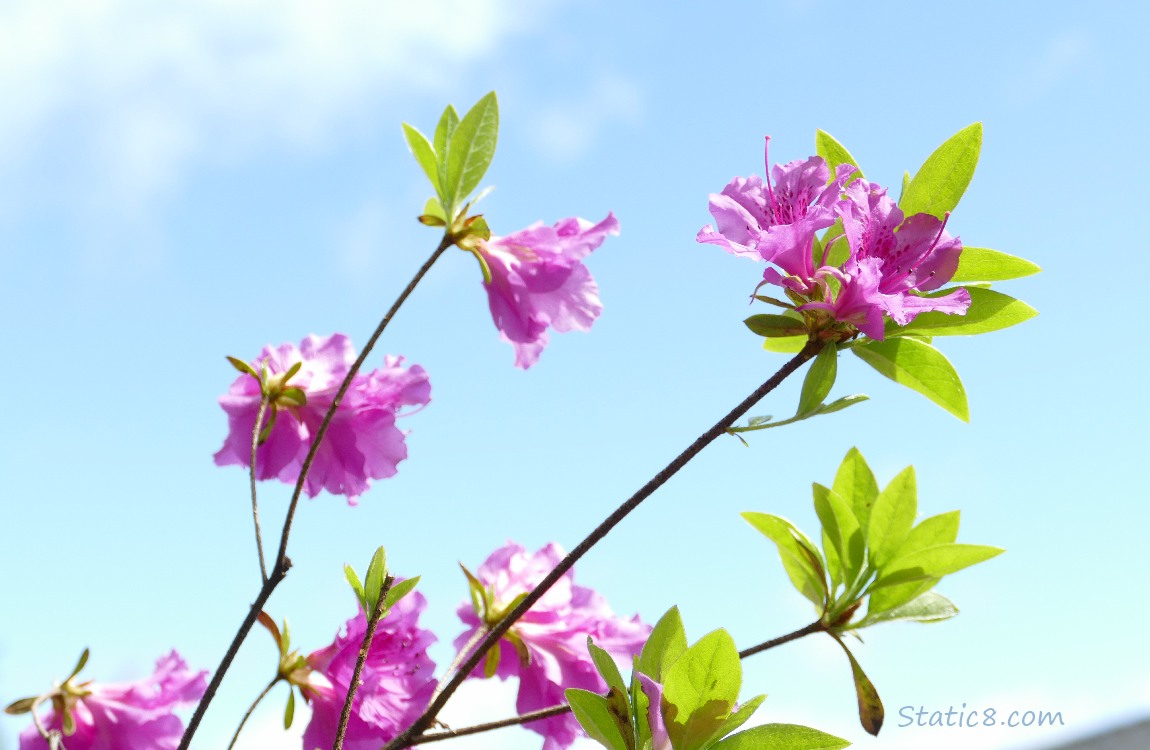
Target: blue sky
[{"x": 181, "y": 182}]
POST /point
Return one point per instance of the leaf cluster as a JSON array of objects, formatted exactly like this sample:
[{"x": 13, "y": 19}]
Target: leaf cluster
[{"x": 696, "y": 688}]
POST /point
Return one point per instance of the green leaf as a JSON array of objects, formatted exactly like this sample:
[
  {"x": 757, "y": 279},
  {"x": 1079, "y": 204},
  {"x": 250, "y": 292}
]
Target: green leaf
[
  {"x": 833, "y": 152},
  {"x": 819, "y": 380},
  {"x": 83, "y": 660},
  {"x": 892, "y": 597},
  {"x": 988, "y": 311},
  {"x": 920, "y": 367},
  {"x": 289, "y": 710},
  {"x": 606, "y": 666},
  {"x": 805, "y": 574},
  {"x": 855, "y": 483},
  {"x": 480, "y": 596},
  {"x": 640, "y": 707},
  {"x": 424, "y": 153},
  {"x": 21, "y": 706},
  {"x": 940, "y": 529},
  {"x": 701, "y": 689},
  {"x": 399, "y": 590},
  {"x": 491, "y": 662},
  {"x": 934, "y": 562},
  {"x": 871, "y": 712},
  {"x": 842, "y": 529},
  {"x": 927, "y": 607},
  {"x": 940, "y": 182},
  {"x": 787, "y": 345},
  {"x": 472, "y": 147},
  {"x": 448, "y": 122},
  {"x": 776, "y": 326},
  {"x": 243, "y": 367},
  {"x": 781, "y": 737},
  {"x": 892, "y": 518},
  {"x": 353, "y": 579},
  {"x": 905, "y": 185},
  {"x": 983, "y": 264},
  {"x": 667, "y": 642},
  {"x": 740, "y": 715},
  {"x": 841, "y": 403},
  {"x": 595, "y": 718},
  {"x": 373, "y": 581}
]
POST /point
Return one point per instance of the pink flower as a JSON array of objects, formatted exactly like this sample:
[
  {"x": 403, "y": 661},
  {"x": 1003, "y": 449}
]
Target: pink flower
[
  {"x": 135, "y": 716},
  {"x": 362, "y": 442},
  {"x": 547, "y": 648},
  {"x": 397, "y": 679},
  {"x": 535, "y": 280}
]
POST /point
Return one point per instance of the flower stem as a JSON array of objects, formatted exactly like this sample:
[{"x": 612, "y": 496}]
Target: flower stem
[
  {"x": 282, "y": 561},
  {"x": 255, "y": 504},
  {"x": 372, "y": 623},
  {"x": 405, "y": 738},
  {"x": 559, "y": 710},
  {"x": 463, "y": 653},
  {"x": 252, "y": 708}
]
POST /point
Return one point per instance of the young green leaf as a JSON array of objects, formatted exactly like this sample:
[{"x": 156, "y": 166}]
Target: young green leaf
[
  {"x": 920, "y": 367},
  {"x": 353, "y": 579},
  {"x": 842, "y": 529},
  {"x": 819, "y": 380},
  {"x": 701, "y": 689},
  {"x": 988, "y": 311},
  {"x": 606, "y": 666},
  {"x": 781, "y": 737},
  {"x": 640, "y": 706},
  {"x": 934, "y": 562},
  {"x": 940, "y": 182},
  {"x": 855, "y": 483},
  {"x": 775, "y": 326},
  {"x": 927, "y": 607},
  {"x": 471, "y": 148},
  {"x": 786, "y": 345},
  {"x": 595, "y": 718},
  {"x": 940, "y": 529},
  {"x": 740, "y": 715},
  {"x": 424, "y": 154},
  {"x": 667, "y": 642},
  {"x": 399, "y": 590},
  {"x": 798, "y": 561},
  {"x": 834, "y": 153},
  {"x": 373, "y": 581},
  {"x": 289, "y": 709},
  {"x": 443, "y": 132},
  {"x": 983, "y": 264},
  {"x": 892, "y": 518},
  {"x": 892, "y": 597}
]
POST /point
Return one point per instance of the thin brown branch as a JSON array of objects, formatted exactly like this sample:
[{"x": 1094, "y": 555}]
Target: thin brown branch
[
  {"x": 252, "y": 708},
  {"x": 255, "y": 504},
  {"x": 404, "y": 739},
  {"x": 353, "y": 687}
]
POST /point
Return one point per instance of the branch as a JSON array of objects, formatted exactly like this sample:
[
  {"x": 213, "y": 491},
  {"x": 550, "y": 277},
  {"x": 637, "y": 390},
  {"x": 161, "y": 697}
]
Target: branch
[
  {"x": 425, "y": 720},
  {"x": 353, "y": 687}
]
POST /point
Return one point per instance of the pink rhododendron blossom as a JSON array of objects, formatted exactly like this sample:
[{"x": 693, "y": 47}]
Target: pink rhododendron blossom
[
  {"x": 397, "y": 679},
  {"x": 891, "y": 258},
  {"x": 135, "y": 716},
  {"x": 536, "y": 280},
  {"x": 776, "y": 223},
  {"x": 547, "y": 648},
  {"x": 361, "y": 443}
]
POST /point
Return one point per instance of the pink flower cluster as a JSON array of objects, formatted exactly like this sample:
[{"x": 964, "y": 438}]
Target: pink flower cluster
[
  {"x": 137, "y": 715},
  {"x": 397, "y": 680},
  {"x": 892, "y": 257},
  {"x": 547, "y": 648},
  {"x": 362, "y": 442},
  {"x": 536, "y": 280}
]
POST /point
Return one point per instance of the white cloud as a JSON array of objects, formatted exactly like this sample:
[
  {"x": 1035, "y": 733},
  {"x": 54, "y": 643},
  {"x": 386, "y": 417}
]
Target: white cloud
[
  {"x": 133, "y": 91},
  {"x": 565, "y": 131}
]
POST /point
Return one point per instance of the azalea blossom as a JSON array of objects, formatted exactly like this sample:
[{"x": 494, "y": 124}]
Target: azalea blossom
[
  {"x": 397, "y": 681},
  {"x": 777, "y": 223},
  {"x": 361, "y": 443},
  {"x": 547, "y": 647},
  {"x": 137, "y": 715},
  {"x": 892, "y": 258},
  {"x": 535, "y": 280}
]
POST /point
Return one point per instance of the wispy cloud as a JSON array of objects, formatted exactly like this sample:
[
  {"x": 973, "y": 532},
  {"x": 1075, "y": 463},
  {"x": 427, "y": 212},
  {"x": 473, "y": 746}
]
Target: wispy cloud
[{"x": 116, "y": 98}]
